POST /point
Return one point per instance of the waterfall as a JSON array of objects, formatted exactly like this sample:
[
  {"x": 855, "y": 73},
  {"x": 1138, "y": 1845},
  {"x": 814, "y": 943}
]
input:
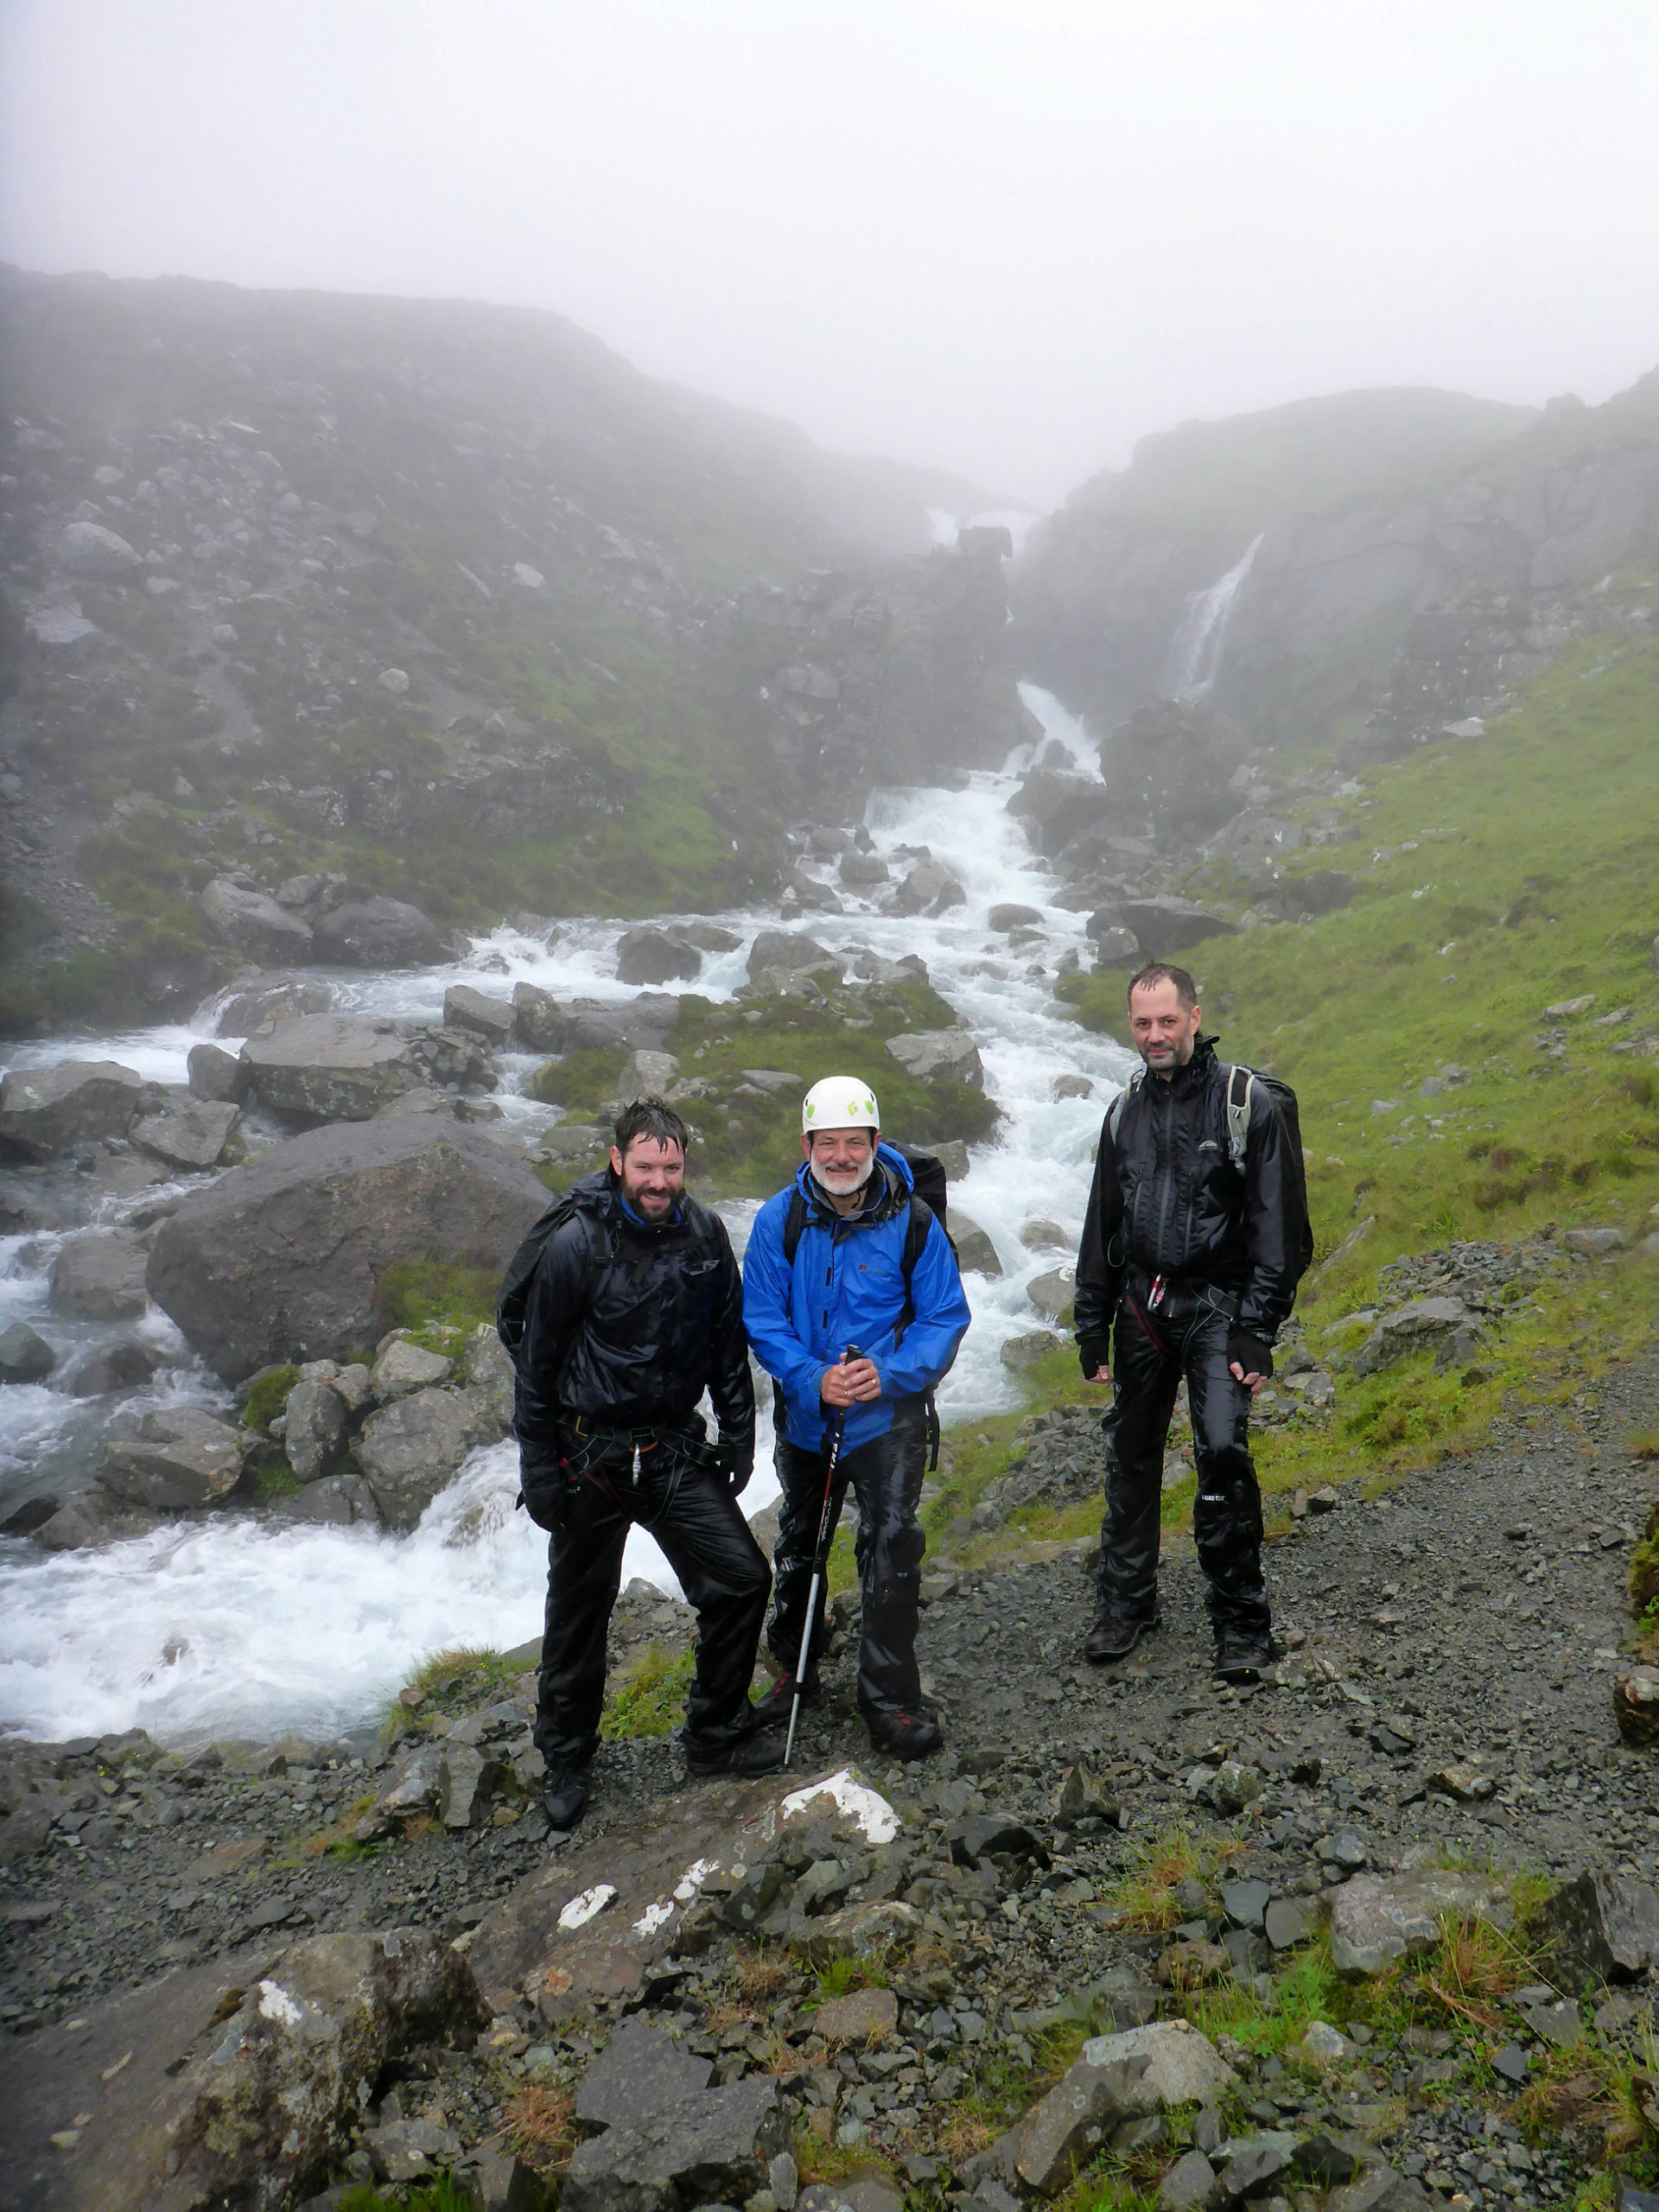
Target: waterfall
[{"x": 1197, "y": 652}]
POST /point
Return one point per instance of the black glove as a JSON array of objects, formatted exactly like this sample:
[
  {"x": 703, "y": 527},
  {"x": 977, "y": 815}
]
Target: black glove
[
  {"x": 544, "y": 1485},
  {"x": 1093, "y": 1354},
  {"x": 736, "y": 1465},
  {"x": 1255, "y": 1356}
]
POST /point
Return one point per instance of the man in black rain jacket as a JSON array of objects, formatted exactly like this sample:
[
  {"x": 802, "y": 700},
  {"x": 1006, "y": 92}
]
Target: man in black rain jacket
[
  {"x": 635, "y": 1307},
  {"x": 1186, "y": 1269}
]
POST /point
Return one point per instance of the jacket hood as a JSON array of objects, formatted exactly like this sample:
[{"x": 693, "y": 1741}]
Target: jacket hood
[{"x": 900, "y": 1182}]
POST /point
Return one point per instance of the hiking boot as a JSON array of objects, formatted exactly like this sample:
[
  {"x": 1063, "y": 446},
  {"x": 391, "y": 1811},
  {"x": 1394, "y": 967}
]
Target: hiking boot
[
  {"x": 1242, "y": 1652},
  {"x": 564, "y": 1799},
  {"x": 757, "y": 1752},
  {"x": 774, "y": 1710},
  {"x": 904, "y": 1735},
  {"x": 1114, "y": 1636}
]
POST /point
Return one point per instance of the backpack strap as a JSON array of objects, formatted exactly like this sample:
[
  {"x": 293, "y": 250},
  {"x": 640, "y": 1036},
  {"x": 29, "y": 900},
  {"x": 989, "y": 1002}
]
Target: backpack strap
[
  {"x": 1115, "y": 1111},
  {"x": 1239, "y": 1099},
  {"x": 794, "y": 1226}
]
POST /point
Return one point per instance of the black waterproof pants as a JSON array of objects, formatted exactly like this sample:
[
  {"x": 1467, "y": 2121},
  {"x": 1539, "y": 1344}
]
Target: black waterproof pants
[
  {"x": 722, "y": 1572},
  {"x": 1152, "y": 1349},
  {"x": 886, "y": 1477}
]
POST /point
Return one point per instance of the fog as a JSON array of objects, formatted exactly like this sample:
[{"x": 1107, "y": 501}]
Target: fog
[{"x": 1005, "y": 240}]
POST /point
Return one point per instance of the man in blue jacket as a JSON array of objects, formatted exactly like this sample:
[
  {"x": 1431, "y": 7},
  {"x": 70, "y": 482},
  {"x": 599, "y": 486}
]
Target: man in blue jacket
[{"x": 825, "y": 1271}]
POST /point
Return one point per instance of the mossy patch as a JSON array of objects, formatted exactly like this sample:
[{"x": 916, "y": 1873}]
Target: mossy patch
[
  {"x": 649, "y": 1698},
  {"x": 441, "y": 1301},
  {"x": 582, "y": 1079},
  {"x": 268, "y": 1396}
]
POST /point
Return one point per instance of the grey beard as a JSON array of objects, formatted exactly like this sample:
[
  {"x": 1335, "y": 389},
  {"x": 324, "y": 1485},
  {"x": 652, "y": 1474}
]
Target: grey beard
[{"x": 830, "y": 1190}]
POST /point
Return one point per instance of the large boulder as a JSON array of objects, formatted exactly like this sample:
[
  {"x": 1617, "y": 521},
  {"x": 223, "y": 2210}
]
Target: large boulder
[
  {"x": 271, "y": 998},
  {"x": 939, "y": 1056},
  {"x": 253, "y": 922},
  {"x": 377, "y": 933},
  {"x": 100, "y": 555},
  {"x": 216, "y": 1076},
  {"x": 25, "y": 1356},
  {"x": 1602, "y": 1928},
  {"x": 100, "y": 1276},
  {"x": 465, "y": 1008},
  {"x": 408, "y": 1450},
  {"x": 191, "y": 1136},
  {"x": 928, "y": 888},
  {"x": 1376, "y": 1919},
  {"x": 1170, "y": 925},
  {"x": 780, "y": 961},
  {"x": 1061, "y": 804},
  {"x": 544, "y": 1024},
  {"x": 280, "y": 1260},
  {"x": 653, "y": 955},
  {"x": 1408, "y": 1328},
  {"x": 173, "y": 1459},
  {"x": 47, "y": 1111},
  {"x": 329, "y": 1067},
  {"x": 707, "y": 2146}
]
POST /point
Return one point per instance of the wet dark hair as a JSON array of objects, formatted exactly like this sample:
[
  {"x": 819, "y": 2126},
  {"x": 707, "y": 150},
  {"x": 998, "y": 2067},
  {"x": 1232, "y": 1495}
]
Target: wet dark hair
[
  {"x": 1159, "y": 971},
  {"x": 650, "y": 1117}
]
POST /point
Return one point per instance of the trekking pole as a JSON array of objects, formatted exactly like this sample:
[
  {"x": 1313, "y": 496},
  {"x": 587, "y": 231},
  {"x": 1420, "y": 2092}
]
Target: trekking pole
[{"x": 837, "y": 1430}]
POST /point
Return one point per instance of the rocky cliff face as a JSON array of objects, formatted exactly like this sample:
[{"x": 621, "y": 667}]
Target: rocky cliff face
[
  {"x": 445, "y": 600},
  {"x": 1415, "y": 556}
]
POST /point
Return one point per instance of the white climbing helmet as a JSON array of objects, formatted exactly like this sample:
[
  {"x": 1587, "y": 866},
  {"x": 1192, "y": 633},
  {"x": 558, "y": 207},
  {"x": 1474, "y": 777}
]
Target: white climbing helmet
[{"x": 840, "y": 1101}]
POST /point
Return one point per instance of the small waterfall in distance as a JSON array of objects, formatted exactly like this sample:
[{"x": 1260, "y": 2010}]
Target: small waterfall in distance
[{"x": 1197, "y": 652}]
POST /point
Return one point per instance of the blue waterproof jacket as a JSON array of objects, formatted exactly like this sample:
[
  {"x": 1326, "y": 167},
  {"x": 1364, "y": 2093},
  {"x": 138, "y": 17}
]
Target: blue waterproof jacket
[{"x": 847, "y": 1287}]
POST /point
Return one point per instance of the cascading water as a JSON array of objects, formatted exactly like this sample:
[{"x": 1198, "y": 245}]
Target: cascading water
[
  {"x": 1195, "y": 655},
  {"x": 252, "y": 1627}
]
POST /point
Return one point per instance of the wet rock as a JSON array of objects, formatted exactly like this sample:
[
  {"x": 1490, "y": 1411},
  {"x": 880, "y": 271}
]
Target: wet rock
[
  {"x": 173, "y": 1459},
  {"x": 1022, "y": 1352},
  {"x": 1114, "y": 946},
  {"x": 1601, "y": 1928},
  {"x": 241, "y": 1265},
  {"x": 640, "y": 2069},
  {"x": 1375, "y": 1919},
  {"x": 123, "y": 1366},
  {"x": 409, "y": 1450},
  {"x": 190, "y": 1136},
  {"x": 708, "y": 2146},
  {"x": 1408, "y": 1328},
  {"x": 251, "y": 920},
  {"x": 939, "y": 1056},
  {"x": 546, "y": 1024},
  {"x": 273, "y": 998},
  {"x": 315, "y": 1429},
  {"x": 928, "y": 888},
  {"x": 1183, "y": 2067},
  {"x": 1067, "y": 2129},
  {"x": 464, "y": 1007},
  {"x": 1011, "y": 916},
  {"x": 100, "y": 1277},
  {"x": 1053, "y": 1293},
  {"x": 867, "y": 2016},
  {"x": 1170, "y": 925},
  {"x": 216, "y": 1075},
  {"x": 327, "y": 1067},
  {"x": 378, "y": 933},
  {"x": 338, "y": 1501},
  {"x": 466, "y": 1781},
  {"x": 92, "y": 1517},
  {"x": 45, "y": 1112},
  {"x": 648, "y": 954},
  {"x": 780, "y": 962},
  {"x": 975, "y": 1254},
  {"x": 404, "y": 1368},
  {"x": 25, "y": 1356}
]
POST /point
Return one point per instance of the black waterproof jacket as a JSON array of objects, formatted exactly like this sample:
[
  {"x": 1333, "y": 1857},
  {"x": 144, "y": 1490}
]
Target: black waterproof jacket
[
  {"x": 627, "y": 1321},
  {"x": 1167, "y": 1201}
]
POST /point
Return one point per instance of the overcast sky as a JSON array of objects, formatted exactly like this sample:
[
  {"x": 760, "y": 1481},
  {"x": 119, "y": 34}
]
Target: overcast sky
[{"x": 1006, "y": 238}]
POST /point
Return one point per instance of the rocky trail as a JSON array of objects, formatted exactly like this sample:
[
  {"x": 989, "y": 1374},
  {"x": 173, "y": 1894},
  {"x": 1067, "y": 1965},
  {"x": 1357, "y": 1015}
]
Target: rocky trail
[{"x": 1094, "y": 1850}]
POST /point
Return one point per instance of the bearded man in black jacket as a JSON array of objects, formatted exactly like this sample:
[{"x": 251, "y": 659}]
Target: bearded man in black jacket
[
  {"x": 1185, "y": 1267},
  {"x": 635, "y": 1306}
]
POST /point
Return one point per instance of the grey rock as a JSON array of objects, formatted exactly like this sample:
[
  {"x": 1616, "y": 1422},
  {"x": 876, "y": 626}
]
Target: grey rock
[
  {"x": 1184, "y": 2067},
  {"x": 173, "y": 1459},
  {"x": 1379, "y": 2189},
  {"x": 581, "y": 1141},
  {"x": 1245, "y": 1903},
  {"x": 708, "y": 2146},
  {"x": 858, "y": 869},
  {"x": 327, "y": 1067},
  {"x": 216, "y": 1075},
  {"x": 648, "y": 1075},
  {"x": 1602, "y": 1928},
  {"x": 47, "y": 1111},
  {"x": 1376, "y": 1919},
  {"x": 1407, "y": 1329},
  {"x": 976, "y": 1253},
  {"x": 1254, "y": 2160},
  {"x": 25, "y": 1356},
  {"x": 1595, "y": 1243},
  {"x": 544, "y": 1024},
  {"x": 1084, "y": 1794},
  {"x": 640, "y": 2069},
  {"x": 486, "y": 1370},
  {"x": 466, "y": 1781},
  {"x": 409, "y": 1450},
  {"x": 1072, "y": 1086},
  {"x": 1066, "y": 2130},
  {"x": 192, "y": 1136},
  {"x": 780, "y": 961},
  {"x": 101, "y": 556},
  {"x": 415, "y": 1783},
  {"x": 1170, "y": 925},
  {"x": 124, "y": 1365},
  {"x": 377, "y": 933},
  {"x": 403, "y": 1368},
  {"x": 338, "y": 1501},
  {"x": 1287, "y": 1921},
  {"x": 92, "y": 1516},
  {"x": 464, "y": 1007},
  {"x": 1020, "y": 1353},
  {"x": 1053, "y": 1293},
  {"x": 865, "y": 2017},
  {"x": 939, "y": 1056},
  {"x": 1332, "y": 2157},
  {"x": 648, "y": 954},
  {"x": 100, "y": 1276},
  {"x": 315, "y": 1429},
  {"x": 1011, "y": 916},
  {"x": 281, "y": 1259},
  {"x": 1114, "y": 946},
  {"x": 927, "y": 889},
  {"x": 274, "y": 998},
  {"x": 1189, "y": 2184},
  {"x": 253, "y": 922}
]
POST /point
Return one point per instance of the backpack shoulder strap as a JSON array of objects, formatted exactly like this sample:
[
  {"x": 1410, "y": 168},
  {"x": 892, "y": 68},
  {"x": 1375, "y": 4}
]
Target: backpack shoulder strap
[
  {"x": 922, "y": 1219},
  {"x": 794, "y": 1226},
  {"x": 1115, "y": 1111},
  {"x": 1241, "y": 1098}
]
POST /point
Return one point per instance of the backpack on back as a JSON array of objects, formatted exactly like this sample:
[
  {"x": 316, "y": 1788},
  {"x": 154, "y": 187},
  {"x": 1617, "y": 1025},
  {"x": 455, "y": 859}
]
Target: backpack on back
[{"x": 514, "y": 1295}]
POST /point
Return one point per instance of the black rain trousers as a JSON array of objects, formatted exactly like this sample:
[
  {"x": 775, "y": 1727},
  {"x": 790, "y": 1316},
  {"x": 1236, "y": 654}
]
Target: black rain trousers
[
  {"x": 1152, "y": 1350},
  {"x": 885, "y": 1475},
  {"x": 722, "y": 1570}
]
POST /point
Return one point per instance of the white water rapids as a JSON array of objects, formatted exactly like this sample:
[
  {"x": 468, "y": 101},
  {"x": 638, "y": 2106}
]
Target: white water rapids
[{"x": 253, "y": 1626}]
